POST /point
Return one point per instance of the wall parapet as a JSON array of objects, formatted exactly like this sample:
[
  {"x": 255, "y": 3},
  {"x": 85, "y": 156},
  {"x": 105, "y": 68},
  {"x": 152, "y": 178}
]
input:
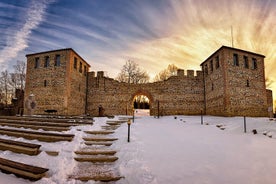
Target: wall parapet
[{"x": 190, "y": 73}]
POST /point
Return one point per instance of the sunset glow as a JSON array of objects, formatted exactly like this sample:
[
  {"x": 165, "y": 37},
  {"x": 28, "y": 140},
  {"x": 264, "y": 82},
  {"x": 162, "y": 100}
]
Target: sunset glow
[{"x": 152, "y": 33}]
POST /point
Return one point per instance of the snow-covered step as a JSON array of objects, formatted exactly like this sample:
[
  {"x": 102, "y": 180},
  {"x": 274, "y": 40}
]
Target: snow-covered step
[
  {"x": 39, "y": 123},
  {"x": 99, "y": 178},
  {"x": 96, "y": 152},
  {"x": 41, "y": 136},
  {"x": 19, "y": 147},
  {"x": 99, "y": 139},
  {"x": 22, "y": 170},
  {"x": 114, "y": 123},
  {"x": 103, "y": 132},
  {"x": 104, "y": 172},
  {"x": 96, "y": 159},
  {"x": 93, "y": 143},
  {"x": 109, "y": 127},
  {"x": 34, "y": 126}
]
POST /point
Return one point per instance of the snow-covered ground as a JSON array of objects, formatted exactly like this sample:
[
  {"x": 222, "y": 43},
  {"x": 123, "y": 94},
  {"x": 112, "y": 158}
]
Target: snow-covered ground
[{"x": 171, "y": 149}]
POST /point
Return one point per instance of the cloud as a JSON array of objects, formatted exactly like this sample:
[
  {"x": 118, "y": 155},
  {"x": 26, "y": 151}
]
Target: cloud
[
  {"x": 18, "y": 41},
  {"x": 200, "y": 27}
]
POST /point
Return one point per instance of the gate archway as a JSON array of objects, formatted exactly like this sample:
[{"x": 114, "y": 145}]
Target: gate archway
[{"x": 141, "y": 99}]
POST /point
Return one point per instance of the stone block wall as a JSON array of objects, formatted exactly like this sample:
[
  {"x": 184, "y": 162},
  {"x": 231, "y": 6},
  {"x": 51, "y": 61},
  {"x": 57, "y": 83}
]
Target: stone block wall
[
  {"x": 222, "y": 88},
  {"x": 77, "y": 79},
  {"x": 238, "y": 89},
  {"x": 55, "y": 85},
  {"x": 178, "y": 95},
  {"x": 214, "y": 84}
]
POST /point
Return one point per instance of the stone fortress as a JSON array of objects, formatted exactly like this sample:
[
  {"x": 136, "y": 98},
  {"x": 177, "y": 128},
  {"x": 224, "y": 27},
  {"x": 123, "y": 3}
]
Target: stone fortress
[{"x": 231, "y": 83}]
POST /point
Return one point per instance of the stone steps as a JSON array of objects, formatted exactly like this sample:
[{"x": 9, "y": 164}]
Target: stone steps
[
  {"x": 99, "y": 178},
  {"x": 109, "y": 127},
  {"x": 102, "y": 159},
  {"x": 97, "y": 159},
  {"x": 22, "y": 170},
  {"x": 43, "y": 122},
  {"x": 41, "y": 136},
  {"x": 53, "y": 120},
  {"x": 101, "y": 172},
  {"x": 93, "y": 143},
  {"x": 99, "y": 132},
  {"x": 97, "y": 139},
  {"x": 35, "y": 127},
  {"x": 96, "y": 152},
  {"x": 113, "y": 123},
  {"x": 19, "y": 147}
]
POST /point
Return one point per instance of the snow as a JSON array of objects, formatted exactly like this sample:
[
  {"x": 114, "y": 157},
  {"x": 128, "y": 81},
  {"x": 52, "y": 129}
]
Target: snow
[{"x": 171, "y": 149}]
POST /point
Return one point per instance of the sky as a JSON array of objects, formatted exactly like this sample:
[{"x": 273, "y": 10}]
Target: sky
[{"x": 153, "y": 33}]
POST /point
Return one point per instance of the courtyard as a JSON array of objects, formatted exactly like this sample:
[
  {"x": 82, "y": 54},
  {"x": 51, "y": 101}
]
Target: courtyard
[{"x": 171, "y": 149}]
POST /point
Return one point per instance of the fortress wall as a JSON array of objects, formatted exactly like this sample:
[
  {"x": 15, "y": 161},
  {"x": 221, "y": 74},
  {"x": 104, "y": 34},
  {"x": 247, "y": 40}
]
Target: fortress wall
[
  {"x": 227, "y": 90},
  {"x": 178, "y": 95}
]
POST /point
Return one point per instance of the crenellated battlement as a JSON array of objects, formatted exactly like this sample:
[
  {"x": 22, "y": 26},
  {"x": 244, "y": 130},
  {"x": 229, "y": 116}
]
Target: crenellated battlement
[
  {"x": 180, "y": 73},
  {"x": 189, "y": 74}
]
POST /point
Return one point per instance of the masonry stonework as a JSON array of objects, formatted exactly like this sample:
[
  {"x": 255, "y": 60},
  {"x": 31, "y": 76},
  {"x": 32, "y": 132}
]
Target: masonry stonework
[
  {"x": 178, "y": 95},
  {"x": 231, "y": 83},
  {"x": 57, "y": 82},
  {"x": 236, "y": 86}
]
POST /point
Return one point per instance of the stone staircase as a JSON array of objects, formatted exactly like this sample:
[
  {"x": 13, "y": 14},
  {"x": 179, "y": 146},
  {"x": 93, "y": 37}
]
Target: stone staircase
[
  {"x": 11, "y": 131},
  {"x": 97, "y": 159}
]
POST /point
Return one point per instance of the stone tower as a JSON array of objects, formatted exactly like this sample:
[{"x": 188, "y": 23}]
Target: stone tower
[
  {"x": 58, "y": 81},
  {"x": 234, "y": 83}
]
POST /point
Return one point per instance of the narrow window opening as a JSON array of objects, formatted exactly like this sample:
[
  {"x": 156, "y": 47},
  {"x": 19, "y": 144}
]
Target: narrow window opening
[
  {"x": 235, "y": 60},
  {"x": 57, "y": 60},
  {"x": 206, "y": 69},
  {"x": 217, "y": 62},
  {"x": 246, "y": 65},
  {"x": 211, "y": 65},
  {"x": 36, "y": 62},
  {"x": 254, "y": 63},
  {"x": 212, "y": 86},
  {"x": 75, "y": 62},
  {"x": 85, "y": 70},
  {"x": 45, "y": 83},
  {"x": 80, "y": 69},
  {"x": 47, "y": 61}
]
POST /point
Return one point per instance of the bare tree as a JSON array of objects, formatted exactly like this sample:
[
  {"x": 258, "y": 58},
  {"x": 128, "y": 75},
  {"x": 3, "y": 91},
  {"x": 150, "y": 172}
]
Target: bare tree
[
  {"x": 5, "y": 86},
  {"x": 171, "y": 70},
  {"x": 19, "y": 76},
  {"x": 131, "y": 73}
]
